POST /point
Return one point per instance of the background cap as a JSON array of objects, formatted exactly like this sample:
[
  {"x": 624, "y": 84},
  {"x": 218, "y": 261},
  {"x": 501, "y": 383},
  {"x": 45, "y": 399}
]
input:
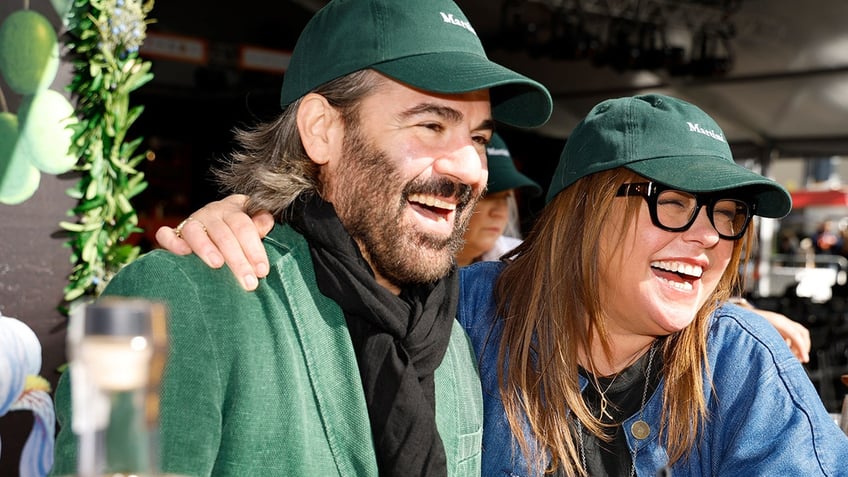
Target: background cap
[
  {"x": 429, "y": 45},
  {"x": 502, "y": 172},
  {"x": 666, "y": 140}
]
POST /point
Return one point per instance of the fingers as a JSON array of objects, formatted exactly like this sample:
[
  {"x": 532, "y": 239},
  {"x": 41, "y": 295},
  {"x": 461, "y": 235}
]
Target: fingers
[
  {"x": 231, "y": 237},
  {"x": 798, "y": 339},
  {"x": 796, "y": 335},
  {"x": 249, "y": 232},
  {"x": 239, "y": 241},
  {"x": 191, "y": 235},
  {"x": 797, "y": 351},
  {"x": 167, "y": 238},
  {"x": 264, "y": 222},
  {"x": 221, "y": 232}
]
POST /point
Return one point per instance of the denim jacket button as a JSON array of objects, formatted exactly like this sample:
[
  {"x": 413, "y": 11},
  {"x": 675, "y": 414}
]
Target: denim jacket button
[{"x": 640, "y": 429}]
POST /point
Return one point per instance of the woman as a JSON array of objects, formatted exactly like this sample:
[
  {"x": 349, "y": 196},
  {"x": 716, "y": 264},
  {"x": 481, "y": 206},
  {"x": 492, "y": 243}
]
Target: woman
[
  {"x": 606, "y": 346},
  {"x": 492, "y": 230},
  {"x": 638, "y": 366}
]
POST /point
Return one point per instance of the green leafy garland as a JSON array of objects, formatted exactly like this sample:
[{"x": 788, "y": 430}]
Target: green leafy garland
[{"x": 104, "y": 38}]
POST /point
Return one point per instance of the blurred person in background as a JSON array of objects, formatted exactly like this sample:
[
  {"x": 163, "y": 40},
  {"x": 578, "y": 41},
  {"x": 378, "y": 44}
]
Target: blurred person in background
[
  {"x": 494, "y": 228},
  {"x": 826, "y": 240}
]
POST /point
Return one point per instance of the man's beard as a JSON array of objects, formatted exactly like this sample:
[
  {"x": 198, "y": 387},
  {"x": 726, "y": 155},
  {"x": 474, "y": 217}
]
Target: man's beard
[{"x": 370, "y": 199}]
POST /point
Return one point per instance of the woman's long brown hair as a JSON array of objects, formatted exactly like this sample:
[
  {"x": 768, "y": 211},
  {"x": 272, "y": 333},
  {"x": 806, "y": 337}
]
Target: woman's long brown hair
[{"x": 549, "y": 300}]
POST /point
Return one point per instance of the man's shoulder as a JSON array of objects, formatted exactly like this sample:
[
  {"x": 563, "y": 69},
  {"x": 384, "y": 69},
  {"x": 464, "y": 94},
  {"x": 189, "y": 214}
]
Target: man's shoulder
[
  {"x": 284, "y": 240},
  {"x": 175, "y": 279},
  {"x": 159, "y": 266}
]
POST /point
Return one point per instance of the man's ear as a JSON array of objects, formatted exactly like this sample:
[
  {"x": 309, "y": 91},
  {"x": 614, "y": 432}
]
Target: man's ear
[{"x": 320, "y": 127}]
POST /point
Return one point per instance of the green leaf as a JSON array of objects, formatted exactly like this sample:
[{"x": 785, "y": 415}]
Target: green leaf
[
  {"x": 136, "y": 81},
  {"x": 136, "y": 186},
  {"x": 109, "y": 179},
  {"x": 126, "y": 253},
  {"x": 79, "y": 228},
  {"x": 90, "y": 248},
  {"x": 91, "y": 191},
  {"x": 123, "y": 204},
  {"x": 136, "y": 160},
  {"x": 86, "y": 206},
  {"x": 72, "y": 292},
  {"x": 133, "y": 114},
  {"x": 128, "y": 147}
]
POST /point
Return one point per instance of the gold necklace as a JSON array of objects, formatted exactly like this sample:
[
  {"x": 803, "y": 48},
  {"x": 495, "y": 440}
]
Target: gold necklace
[
  {"x": 603, "y": 395},
  {"x": 604, "y": 401},
  {"x": 640, "y": 429}
]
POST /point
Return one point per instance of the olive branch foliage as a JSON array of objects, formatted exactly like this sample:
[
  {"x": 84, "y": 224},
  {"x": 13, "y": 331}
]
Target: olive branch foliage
[{"x": 104, "y": 37}]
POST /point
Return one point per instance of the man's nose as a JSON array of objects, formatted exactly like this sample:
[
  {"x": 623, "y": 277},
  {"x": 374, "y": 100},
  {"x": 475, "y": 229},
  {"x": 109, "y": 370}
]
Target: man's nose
[{"x": 465, "y": 164}]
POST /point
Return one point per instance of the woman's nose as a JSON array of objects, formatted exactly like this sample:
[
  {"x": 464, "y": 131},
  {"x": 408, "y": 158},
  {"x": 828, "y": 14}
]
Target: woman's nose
[{"x": 702, "y": 230}]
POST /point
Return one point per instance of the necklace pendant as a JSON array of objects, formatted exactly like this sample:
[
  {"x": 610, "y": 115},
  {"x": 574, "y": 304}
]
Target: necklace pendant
[
  {"x": 604, "y": 412},
  {"x": 640, "y": 429}
]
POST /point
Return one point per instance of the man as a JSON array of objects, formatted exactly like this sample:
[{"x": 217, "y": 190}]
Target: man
[{"x": 346, "y": 360}]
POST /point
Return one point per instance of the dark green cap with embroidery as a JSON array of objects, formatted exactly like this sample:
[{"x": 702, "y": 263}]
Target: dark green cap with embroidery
[
  {"x": 503, "y": 175},
  {"x": 427, "y": 44},
  {"x": 666, "y": 140}
]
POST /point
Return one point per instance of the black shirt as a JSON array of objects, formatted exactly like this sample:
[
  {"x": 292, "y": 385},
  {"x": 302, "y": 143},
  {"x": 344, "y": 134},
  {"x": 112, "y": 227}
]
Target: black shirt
[{"x": 624, "y": 393}]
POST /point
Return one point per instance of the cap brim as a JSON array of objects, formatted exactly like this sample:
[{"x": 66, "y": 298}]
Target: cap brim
[
  {"x": 530, "y": 188},
  {"x": 516, "y": 99},
  {"x": 710, "y": 174}
]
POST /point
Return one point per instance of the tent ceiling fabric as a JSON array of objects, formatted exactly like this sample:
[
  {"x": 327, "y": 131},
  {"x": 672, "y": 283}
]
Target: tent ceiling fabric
[
  {"x": 786, "y": 94},
  {"x": 789, "y": 81}
]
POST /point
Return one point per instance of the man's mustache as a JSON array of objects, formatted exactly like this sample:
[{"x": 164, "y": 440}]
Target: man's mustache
[{"x": 442, "y": 187}]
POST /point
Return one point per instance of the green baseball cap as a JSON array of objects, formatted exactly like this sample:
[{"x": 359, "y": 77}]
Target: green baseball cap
[
  {"x": 502, "y": 172},
  {"x": 429, "y": 45},
  {"x": 666, "y": 140}
]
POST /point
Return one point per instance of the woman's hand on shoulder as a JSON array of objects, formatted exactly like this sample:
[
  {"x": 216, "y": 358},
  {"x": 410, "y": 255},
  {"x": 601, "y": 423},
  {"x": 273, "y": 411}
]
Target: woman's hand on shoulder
[
  {"x": 796, "y": 335},
  {"x": 222, "y": 233}
]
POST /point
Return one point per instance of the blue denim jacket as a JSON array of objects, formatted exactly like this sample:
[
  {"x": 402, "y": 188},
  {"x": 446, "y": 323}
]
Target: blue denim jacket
[{"x": 766, "y": 418}]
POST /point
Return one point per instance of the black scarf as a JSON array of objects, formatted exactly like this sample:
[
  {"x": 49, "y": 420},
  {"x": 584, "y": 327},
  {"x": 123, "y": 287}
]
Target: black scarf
[{"x": 399, "y": 341}]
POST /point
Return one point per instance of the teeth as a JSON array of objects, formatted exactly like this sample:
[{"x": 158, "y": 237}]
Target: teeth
[
  {"x": 685, "y": 286},
  {"x": 431, "y": 201},
  {"x": 680, "y": 267}
]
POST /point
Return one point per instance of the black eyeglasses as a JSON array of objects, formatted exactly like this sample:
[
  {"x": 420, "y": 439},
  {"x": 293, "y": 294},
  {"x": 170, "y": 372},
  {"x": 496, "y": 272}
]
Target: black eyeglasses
[{"x": 676, "y": 211}]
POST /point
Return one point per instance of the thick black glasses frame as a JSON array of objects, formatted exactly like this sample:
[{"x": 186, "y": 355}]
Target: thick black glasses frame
[{"x": 650, "y": 191}]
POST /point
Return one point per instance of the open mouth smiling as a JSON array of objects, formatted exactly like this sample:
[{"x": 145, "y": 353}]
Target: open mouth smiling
[
  {"x": 438, "y": 208},
  {"x": 678, "y": 275}
]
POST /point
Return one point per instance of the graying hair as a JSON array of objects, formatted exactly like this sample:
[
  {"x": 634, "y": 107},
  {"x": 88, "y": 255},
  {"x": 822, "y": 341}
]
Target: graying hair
[
  {"x": 513, "y": 224},
  {"x": 271, "y": 166}
]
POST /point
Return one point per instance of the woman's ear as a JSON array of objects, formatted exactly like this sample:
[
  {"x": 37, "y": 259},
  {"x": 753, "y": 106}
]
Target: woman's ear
[{"x": 320, "y": 127}]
